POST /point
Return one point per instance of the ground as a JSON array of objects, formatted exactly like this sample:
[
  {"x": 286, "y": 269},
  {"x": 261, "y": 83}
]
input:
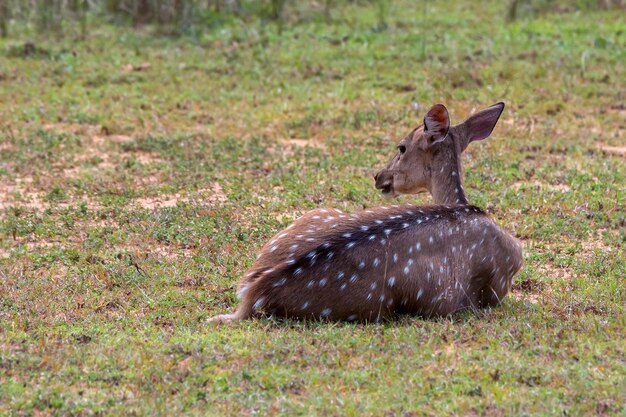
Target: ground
[{"x": 140, "y": 174}]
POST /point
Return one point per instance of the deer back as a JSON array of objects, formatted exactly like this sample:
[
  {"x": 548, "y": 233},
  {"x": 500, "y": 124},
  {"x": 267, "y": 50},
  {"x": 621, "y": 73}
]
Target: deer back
[{"x": 377, "y": 263}]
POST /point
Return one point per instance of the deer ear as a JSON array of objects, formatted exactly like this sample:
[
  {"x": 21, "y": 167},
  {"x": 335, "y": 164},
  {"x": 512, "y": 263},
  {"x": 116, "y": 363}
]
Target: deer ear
[
  {"x": 480, "y": 125},
  {"x": 436, "y": 124}
]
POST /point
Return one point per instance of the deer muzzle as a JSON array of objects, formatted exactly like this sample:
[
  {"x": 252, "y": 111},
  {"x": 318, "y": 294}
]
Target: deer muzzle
[{"x": 384, "y": 181}]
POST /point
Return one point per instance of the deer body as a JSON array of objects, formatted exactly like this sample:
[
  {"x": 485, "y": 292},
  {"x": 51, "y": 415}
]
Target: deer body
[{"x": 386, "y": 261}]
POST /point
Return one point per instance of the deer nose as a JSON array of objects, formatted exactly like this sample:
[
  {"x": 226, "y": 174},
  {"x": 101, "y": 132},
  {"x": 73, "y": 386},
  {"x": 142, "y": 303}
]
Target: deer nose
[{"x": 381, "y": 180}]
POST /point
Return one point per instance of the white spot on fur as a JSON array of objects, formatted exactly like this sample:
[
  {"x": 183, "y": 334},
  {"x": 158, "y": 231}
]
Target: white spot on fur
[
  {"x": 258, "y": 303},
  {"x": 280, "y": 282},
  {"x": 242, "y": 291},
  {"x": 325, "y": 312},
  {"x": 391, "y": 281}
]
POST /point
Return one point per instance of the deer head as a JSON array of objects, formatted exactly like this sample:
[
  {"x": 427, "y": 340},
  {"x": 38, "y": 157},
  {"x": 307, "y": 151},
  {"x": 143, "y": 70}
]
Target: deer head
[{"x": 435, "y": 144}]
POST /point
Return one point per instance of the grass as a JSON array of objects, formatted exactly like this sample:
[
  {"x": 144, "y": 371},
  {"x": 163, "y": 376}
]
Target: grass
[{"x": 139, "y": 175}]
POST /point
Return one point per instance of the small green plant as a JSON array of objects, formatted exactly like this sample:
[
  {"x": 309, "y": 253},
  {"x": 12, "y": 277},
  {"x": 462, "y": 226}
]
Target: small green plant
[{"x": 57, "y": 194}]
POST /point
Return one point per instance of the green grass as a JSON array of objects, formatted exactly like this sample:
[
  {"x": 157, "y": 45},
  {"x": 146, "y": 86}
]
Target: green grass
[{"x": 133, "y": 197}]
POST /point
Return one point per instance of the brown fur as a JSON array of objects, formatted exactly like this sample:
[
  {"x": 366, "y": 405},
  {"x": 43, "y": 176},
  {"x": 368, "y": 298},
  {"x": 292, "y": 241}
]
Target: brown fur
[{"x": 373, "y": 265}]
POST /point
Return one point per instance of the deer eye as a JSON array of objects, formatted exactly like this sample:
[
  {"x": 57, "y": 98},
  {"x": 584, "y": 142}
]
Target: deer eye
[{"x": 402, "y": 148}]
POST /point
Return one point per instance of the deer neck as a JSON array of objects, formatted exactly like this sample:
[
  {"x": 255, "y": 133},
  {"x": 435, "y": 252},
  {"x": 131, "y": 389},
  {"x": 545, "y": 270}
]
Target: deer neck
[{"x": 446, "y": 186}]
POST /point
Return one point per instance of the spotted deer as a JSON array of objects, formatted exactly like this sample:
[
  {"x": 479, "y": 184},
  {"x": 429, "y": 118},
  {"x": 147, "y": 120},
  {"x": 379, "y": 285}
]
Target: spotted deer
[{"x": 399, "y": 259}]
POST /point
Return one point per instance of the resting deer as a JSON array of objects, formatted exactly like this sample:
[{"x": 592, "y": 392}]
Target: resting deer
[{"x": 385, "y": 261}]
